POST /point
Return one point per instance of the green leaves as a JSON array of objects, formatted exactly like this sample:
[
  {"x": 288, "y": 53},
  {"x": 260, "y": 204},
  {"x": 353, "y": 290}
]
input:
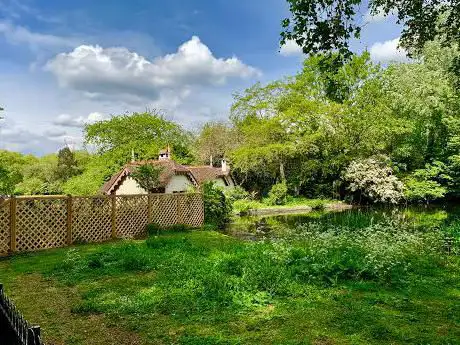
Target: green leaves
[
  {"x": 145, "y": 133},
  {"x": 328, "y": 26},
  {"x": 217, "y": 208},
  {"x": 147, "y": 176},
  {"x": 427, "y": 184},
  {"x": 321, "y": 26}
]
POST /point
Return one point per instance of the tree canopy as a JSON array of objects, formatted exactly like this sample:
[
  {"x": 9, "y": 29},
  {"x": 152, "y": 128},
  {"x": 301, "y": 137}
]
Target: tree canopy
[
  {"x": 321, "y": 132},
  {"x": 309, "y": 128},
  {"x": 324, "y": 26},
  {"x": 145, "y": 133}
]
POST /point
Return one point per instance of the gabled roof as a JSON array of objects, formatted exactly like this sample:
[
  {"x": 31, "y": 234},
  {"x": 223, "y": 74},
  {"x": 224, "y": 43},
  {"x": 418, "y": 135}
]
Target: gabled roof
[
  {"x": 207, "y": 173},
  {"x": 170, "y": 168}
]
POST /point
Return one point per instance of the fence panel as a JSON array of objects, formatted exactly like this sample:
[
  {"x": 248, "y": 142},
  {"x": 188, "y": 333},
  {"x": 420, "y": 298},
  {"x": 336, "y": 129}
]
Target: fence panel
[
  {"x": 165, "y": 209},
  {"x": 40, "y": 223},
  {"x": 190, "y": 210},
  {"x": 5, "y": 239},
  {"x": 131, "y": 215},
  {"x": 91, "y": 219}
]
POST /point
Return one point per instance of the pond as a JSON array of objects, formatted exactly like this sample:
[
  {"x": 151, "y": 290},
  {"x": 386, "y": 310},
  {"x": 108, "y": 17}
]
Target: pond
[{"x": 420, "y": 217}]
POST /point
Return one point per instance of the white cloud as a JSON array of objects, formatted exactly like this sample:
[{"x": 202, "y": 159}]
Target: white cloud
[
  {"x": 14, "y": 137},
  {"x": 291, "y": 48},
  {"x": 20, "y": 35},
  {"x": 113, "y": 71},
  {"x": 66, "y": 120},
  {"x": 388, "y": 51},
  {"x": 55, "y": 132}
]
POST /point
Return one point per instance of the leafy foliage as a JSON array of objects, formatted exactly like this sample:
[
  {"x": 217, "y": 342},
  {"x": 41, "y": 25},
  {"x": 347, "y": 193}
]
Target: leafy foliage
[
  {"x": 237, "y": 193},
  {"x": 217, "y": 208},
  {"x": 147, "y": 176},
  {"x": 307, "y": 129},
  {"x": 8, "y": 181},
  {"x": 278, "y": 194},
  {"x": 67, "y": 165},
  {"x": 145, "y": 133},
  {"x": 427, "y": 184},
  {"x": 214, "y": 142},
  {"x": 325, "y": 26}
]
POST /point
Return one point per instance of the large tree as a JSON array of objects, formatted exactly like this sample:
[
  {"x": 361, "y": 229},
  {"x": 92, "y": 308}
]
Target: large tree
[
  {"x": 67, "y": 164},
  {"x": 145, "y": 133},
  {"x": 214, "y": 141},
  {"x": 116, "y": 138},
  {"x": 305, "y": 129},
  {"x": 320, "y": 26}
]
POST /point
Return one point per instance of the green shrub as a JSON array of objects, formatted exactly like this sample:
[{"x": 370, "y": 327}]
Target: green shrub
[
  {"x": 423, "y": 190},
  {"x": 179, "y": 228},
  {"x": 427, "y": 184},
  {"x": 217, "y": 208},
  {"x": 373, "y": 179},
  {"x": 237, "y": 193},
  {"x": 243, "y": 206},
  {"x": 277, "y": 194},
  {"x": 155, "y": 229}
]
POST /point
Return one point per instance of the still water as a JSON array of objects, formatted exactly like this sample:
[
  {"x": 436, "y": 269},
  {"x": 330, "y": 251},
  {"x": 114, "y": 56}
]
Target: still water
[{"x": 420, "y": 217}]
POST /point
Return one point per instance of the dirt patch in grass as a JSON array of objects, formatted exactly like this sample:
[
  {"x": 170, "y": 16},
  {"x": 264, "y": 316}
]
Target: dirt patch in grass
[{"x": 49, "y": 305}]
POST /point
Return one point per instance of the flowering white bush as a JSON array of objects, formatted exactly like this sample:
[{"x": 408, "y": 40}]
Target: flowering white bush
[{"x": 374, "y": 179}]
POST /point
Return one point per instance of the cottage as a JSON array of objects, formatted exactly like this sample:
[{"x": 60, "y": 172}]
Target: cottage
[{"x": 174, "y": 177}]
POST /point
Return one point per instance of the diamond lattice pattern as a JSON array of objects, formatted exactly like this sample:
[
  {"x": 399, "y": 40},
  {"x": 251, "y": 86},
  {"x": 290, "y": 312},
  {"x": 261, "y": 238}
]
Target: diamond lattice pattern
[
  {"x": 40, "y": 223},
  {"x": 4, "y": 227}
]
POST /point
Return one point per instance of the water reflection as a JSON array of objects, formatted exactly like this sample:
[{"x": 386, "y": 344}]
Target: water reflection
[{"x": 421, "y": 217}]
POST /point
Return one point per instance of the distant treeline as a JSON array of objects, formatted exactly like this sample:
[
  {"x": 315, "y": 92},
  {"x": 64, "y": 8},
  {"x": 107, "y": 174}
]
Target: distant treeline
[{"x": 358, "y": 130}]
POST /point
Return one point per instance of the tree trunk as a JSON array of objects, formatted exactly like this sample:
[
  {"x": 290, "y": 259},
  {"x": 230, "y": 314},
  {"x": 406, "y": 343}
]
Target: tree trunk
[{"x": 282, "y": 174}]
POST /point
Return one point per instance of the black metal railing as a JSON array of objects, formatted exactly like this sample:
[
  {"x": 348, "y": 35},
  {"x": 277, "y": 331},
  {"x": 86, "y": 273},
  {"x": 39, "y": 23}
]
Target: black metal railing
[{"x": 14, "y": 328}]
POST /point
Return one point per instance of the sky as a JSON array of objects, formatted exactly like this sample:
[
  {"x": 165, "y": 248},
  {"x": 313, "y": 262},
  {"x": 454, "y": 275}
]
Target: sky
[{"x": 64, "y": 64}]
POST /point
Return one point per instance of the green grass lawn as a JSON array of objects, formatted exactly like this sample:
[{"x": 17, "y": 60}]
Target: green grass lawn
[{"x": 202, "y": 287}]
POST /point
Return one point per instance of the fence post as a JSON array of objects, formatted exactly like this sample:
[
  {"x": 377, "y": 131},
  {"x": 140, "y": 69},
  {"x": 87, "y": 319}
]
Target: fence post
[
  {"x": 69, "y": 219},
  {"x": 149, "y": 209},
  {"x": 33, "y": 335},
  {"x": 13, "y": 224},
  {"x": 114, "y": 215}
]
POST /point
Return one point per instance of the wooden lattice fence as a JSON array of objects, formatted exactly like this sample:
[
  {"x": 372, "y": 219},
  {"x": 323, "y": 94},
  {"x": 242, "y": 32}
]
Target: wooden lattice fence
[{"x": 41, "y": 222}]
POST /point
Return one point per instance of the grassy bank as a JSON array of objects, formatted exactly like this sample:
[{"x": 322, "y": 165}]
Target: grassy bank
[
  {"x": 244, "y": 205},
  {"x": 376, "y": 285}
]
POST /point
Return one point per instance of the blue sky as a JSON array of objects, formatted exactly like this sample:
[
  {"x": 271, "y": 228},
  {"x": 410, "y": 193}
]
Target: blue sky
[{"x": 67, "y": 63}]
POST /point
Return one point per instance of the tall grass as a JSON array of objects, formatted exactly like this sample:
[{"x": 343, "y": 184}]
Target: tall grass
[{"x": 205, "y": 271}]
